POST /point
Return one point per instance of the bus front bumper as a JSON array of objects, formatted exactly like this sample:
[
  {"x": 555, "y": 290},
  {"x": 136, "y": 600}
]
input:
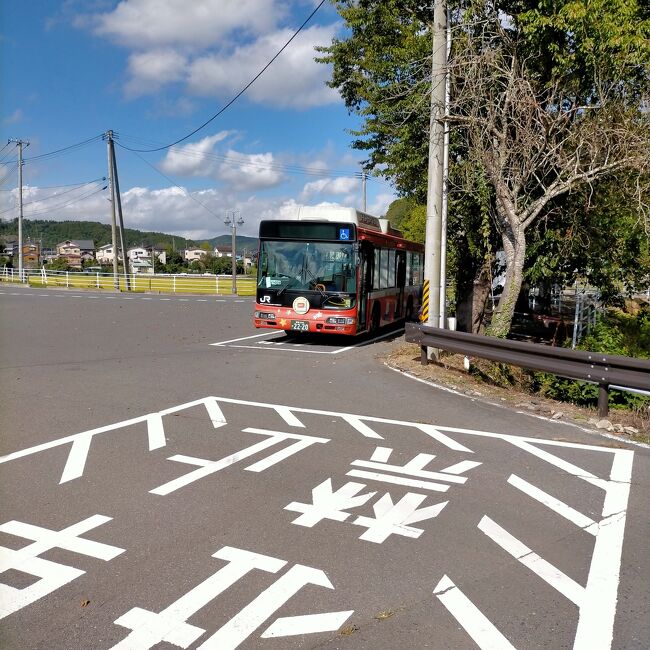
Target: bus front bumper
[{"x": 314, "y": 321}]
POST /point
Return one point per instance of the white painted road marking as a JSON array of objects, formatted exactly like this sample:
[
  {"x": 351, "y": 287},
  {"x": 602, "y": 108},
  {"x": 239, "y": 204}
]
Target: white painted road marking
[
  {"x": 52, "y": 574},
  {"x": 170, "y": 625},
  {"x": 596, "y": 600},
  {"x": 484, "y": 634},
  {"x": 208, "y": 467}
]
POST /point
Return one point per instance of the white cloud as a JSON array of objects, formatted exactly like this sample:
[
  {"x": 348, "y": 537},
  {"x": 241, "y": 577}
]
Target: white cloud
[
  {"x": 193, "y": 159},
  {"x": 14, "y": 118},
  {"x": 343, "y": 185},
  {"x": 239, "y": 171},
  {"x": 144, "y": 24},
  {"x": 149, "y": 71},
  {"x": 380, "y": 203},
  {"x": 246, "y": 172},
  {"x": 293, "y": 80}
]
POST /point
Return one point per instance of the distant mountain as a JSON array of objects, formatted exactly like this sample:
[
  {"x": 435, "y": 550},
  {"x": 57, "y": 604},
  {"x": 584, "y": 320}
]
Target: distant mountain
[{"x": 50, "y": 233}]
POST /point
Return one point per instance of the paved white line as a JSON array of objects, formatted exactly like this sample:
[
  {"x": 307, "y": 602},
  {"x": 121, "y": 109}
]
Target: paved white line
[
  {"x": 309, "y": 624},
  {"x": 170, "y": 625},
  {"x": 243, "y": 624},
  {"x": 164, "y": 299},
  {"x": 398, "y": 480},
  {"x": 459, "y": 468},
  {"x": 361, "y": 427},
  {"x": 245, "y": 338},
  {"x": 400, "y": 469},
  {"x": 545, "y": 570},
  {"x": 561, "y": 508},
  {"x": 473, "y": 621},
  {"x": 436, "y": 434},
  {"x": 74, "y": 467}
]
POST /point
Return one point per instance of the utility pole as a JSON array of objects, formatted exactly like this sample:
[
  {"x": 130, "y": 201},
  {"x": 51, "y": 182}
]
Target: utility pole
[
  {"x": 233, "y": 222},
  {"x": 432, "y": 252},
  {"x": 20, "y": 143},
  {"x": 445, "y": 185},
  {"x": 108, "y": 136},
  {"x": 363, "y": 175},
  {"x": 118, "y": 201}
]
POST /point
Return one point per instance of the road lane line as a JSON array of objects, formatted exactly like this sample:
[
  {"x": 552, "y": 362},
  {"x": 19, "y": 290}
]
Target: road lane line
[{"x": 472, "y": 620}]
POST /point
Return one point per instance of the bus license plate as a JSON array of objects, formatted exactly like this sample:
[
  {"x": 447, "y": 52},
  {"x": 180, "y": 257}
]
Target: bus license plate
[{"x": 300, "y": 325}]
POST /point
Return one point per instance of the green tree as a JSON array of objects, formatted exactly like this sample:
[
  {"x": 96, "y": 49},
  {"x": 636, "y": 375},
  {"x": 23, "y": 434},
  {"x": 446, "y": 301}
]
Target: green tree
[{"x": 541, "y": 108}]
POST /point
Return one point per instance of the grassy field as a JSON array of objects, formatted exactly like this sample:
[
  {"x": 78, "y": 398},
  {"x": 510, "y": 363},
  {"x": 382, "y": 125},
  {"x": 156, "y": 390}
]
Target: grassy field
[{"x": 162, "y": 284}]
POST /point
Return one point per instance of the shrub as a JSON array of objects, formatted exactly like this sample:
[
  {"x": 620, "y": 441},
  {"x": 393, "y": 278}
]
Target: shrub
[{"x": 616, "y": 332}]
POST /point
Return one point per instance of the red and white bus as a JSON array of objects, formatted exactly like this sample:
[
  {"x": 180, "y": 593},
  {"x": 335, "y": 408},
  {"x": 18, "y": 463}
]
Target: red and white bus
[{"x": 335, "y": 270}]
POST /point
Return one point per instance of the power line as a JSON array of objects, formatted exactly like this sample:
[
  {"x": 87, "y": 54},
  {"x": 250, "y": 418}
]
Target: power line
[
  {"x": 241, "y": 92},
  {"x": 56, "y": 187},
  {"x": 182, "y": 189},
  {"x": 68, "y": 203},
  {"x": 56, "y": 195},
  {"x": 72, "y": 147}
]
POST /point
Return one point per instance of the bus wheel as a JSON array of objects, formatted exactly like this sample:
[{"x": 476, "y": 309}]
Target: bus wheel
[{"x": 374, "y": 319}]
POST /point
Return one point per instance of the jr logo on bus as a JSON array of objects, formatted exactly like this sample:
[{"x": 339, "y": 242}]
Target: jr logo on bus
[{"x": 266, "y": 299}]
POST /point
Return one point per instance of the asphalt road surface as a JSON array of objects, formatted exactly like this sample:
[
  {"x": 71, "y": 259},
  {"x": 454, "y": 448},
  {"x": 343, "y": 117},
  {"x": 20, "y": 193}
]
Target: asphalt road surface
[{"x": 173, "y": 478}]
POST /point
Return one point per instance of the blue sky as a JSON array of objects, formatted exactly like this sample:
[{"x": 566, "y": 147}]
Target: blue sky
[{"x": 153, "y": 71}]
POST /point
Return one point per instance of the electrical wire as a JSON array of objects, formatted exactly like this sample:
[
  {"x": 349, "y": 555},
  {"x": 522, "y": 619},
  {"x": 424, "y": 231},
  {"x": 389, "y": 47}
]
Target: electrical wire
[
  {"x": 182, "y": 189},
  {"x": 65, "y": 205},
  {"x": 9, "y": 174},
  {"x": 56, "y": 195},
  {"x": 56, "y": 187},
  {"x": 241, "y": 92},
  {"x": 72, "y": 147}
]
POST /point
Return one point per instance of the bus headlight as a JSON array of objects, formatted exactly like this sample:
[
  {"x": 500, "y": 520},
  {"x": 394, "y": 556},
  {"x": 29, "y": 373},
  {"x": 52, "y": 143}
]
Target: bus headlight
[{"x": 339, "y": 320}]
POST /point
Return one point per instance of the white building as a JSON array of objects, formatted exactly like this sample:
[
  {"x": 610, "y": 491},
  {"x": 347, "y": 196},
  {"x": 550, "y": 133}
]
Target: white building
[
  {"x": 192, "y": 254},
  {"x": 105, "y": 254}
]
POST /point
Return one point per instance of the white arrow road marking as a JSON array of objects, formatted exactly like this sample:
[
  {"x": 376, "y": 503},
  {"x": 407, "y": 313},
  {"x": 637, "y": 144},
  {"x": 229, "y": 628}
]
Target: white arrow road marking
[{"x": 473, "y": 621}]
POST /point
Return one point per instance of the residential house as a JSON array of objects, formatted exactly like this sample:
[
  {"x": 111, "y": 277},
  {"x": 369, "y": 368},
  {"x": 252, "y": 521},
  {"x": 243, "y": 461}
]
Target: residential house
[
  {"x": 223, "y": 251},
  {"x": 76, "y": 251},
  {"x": 193, "y": 254},
  {"x": 105, "y": 254},
  {"x": 31, "y": 255},
  {"x": 140, "y": 266}
]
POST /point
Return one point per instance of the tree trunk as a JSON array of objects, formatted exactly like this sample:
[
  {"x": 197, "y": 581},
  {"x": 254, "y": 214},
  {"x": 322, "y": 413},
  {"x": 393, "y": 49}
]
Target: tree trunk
[
  {"x": 472, "y": 300},
  {"x": 514, "y": 245}
]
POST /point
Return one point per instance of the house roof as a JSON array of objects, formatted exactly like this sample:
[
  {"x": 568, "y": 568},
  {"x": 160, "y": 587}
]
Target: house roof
[{"x": 88, "y": 244}]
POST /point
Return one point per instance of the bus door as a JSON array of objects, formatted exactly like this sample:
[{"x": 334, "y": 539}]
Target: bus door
[
  {"x": 400, "y": 277},
  {"x": 366, "y": 254}
]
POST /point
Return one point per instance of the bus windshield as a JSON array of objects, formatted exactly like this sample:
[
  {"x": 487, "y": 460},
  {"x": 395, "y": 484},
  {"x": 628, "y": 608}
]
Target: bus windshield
[{"x": 319, "y": 266}]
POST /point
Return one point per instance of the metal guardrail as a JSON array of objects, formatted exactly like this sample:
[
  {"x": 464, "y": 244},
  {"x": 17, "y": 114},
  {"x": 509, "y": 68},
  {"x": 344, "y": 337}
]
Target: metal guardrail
[{"x": 606, "y": 370}]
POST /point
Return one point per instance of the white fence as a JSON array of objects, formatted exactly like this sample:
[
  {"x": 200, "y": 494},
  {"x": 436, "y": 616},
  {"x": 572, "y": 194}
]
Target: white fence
[{"x": 161, "y": 283}]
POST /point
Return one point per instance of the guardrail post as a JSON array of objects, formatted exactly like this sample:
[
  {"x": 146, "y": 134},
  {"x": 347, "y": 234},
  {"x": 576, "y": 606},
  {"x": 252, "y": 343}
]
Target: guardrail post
[
  {"x": 67, "y": 279},
  {"x": 424, "y": 357},
  {"x": 174, "y": 285},
  {"x": 603, "y": 400}
]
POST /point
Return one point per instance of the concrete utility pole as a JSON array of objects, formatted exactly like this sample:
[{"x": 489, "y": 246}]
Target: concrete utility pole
[
  {"x": 20, "y": 144},
  {"x": 108, "y": 136},
  {"x": 364, "y": 177},
  {"x": 431, "y": 292},
  {"x": 445, "y": 188},
  {"x": 233, "y": 222},
  {"x": 119, "y": 214}
]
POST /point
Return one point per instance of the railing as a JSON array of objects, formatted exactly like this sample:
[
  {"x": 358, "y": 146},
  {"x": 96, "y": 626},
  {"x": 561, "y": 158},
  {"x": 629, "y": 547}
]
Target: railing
[
  {"x": 606, "y": 370},
  {"x": 138, "y": 282}
]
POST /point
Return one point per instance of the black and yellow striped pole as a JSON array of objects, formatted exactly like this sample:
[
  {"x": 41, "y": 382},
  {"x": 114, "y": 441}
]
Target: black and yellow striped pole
[{"x": 424, "y": 315}]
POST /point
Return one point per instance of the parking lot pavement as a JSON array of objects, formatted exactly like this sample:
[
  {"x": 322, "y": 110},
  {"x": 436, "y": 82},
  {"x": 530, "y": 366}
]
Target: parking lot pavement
[{"x": 222, "y": 522}]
